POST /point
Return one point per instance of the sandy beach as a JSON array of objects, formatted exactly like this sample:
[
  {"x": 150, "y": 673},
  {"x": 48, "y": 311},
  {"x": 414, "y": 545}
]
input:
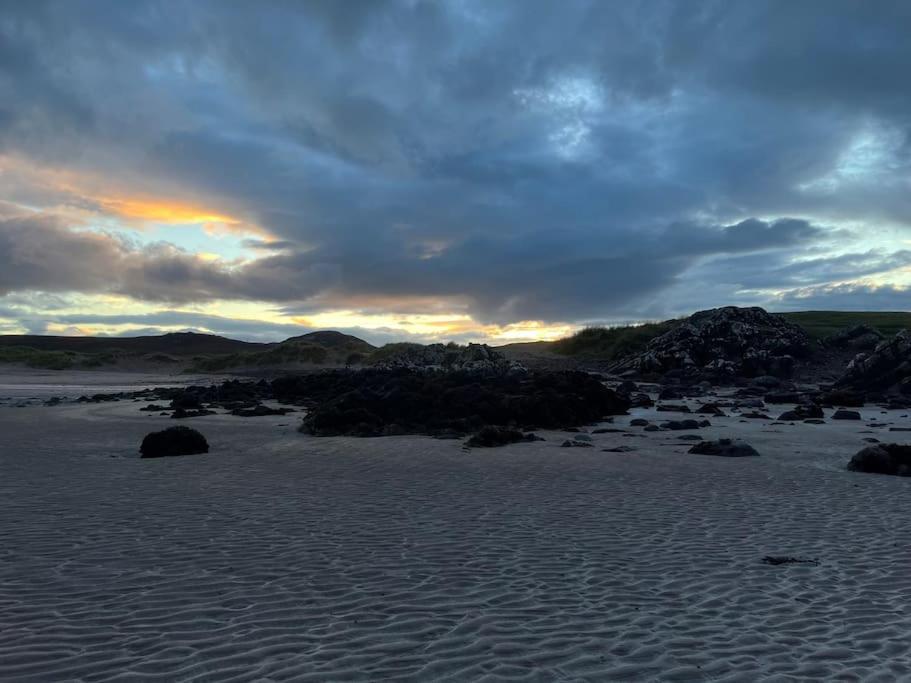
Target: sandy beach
[{"x": 279, "y": 556}]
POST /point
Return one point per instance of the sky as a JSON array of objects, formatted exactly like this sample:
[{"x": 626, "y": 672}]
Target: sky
[{"x": 464, "y": 170}]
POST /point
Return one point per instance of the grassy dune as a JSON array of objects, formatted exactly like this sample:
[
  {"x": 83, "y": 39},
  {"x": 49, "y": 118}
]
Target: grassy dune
[{"x": 612, "y": 343}]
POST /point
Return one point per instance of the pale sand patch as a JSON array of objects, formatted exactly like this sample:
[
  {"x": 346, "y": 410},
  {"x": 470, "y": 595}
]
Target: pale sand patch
[{"x": 280, "y": 556}]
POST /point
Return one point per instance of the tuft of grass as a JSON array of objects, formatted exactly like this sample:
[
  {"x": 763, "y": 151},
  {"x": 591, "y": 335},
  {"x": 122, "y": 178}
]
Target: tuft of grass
[{"x": 611, "y": 343}]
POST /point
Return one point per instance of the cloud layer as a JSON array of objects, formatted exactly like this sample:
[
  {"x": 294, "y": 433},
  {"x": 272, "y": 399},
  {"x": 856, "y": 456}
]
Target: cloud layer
[{"x": 561, "y": 162}]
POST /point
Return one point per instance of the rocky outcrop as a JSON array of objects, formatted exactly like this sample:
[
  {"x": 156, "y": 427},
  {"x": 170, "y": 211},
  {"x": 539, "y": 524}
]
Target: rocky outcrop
[
  {"x": 403, "y": 401},
  {"x": 886, "y": 368},
  {"x": 445, "y": 357},
  {"x": 173, "y": 441},
  {"x": 724, "y": 343}
]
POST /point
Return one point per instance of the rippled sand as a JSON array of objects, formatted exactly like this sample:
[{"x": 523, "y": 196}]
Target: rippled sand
[{"x": 284, "y": 557}]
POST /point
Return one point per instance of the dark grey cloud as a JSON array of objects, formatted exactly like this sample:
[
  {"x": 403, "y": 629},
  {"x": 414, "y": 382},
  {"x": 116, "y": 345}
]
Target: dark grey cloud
[{"x": 561, "y": 161}]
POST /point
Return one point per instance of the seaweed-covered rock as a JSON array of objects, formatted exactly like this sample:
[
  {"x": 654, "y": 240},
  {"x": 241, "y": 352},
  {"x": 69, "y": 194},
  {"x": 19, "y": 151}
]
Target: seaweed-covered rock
[
  {"x": 364, "y": 403},
  {"x": 728, "y": 448},
  {"x": 883, "y": 458},
  {"x": 172, "y": 441},
  {"x": 724, "y": 343},
  {"x": 493, "y": 437}
]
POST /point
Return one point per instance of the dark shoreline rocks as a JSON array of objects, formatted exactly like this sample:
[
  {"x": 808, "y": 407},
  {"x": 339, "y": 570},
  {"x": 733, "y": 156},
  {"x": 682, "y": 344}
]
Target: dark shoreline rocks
[
  {"x": 495, "y": 437},
  {"x": 367, "y": 402}
]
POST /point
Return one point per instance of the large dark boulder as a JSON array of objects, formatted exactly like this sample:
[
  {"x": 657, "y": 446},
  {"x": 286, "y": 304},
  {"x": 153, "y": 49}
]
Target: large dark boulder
[
  {"x": 724, "y": 343},
  {"x": 727, "y": 448},
  {"x": 883, "y": 459},
  {"x": 178, "y": 440}
]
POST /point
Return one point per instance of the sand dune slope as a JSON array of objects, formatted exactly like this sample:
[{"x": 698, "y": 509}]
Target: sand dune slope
[{"x": 283, "y": 557}]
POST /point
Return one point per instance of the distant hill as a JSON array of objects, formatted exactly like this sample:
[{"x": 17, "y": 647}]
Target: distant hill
[
  {"x": 194, "y": 351},
  {"x": 212, "y": 353},
  {"x": 315, "y": 348},
  {"x": 172, "y": 343}
]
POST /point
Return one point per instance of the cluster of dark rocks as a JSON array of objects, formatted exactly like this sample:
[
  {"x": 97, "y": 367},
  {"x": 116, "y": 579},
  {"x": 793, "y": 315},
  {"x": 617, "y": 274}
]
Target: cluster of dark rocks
[
  {"x": 474, "y": 357},
  {"x": 885, "y": 369},
  {"x": 404, "y": 401},
  {"x": 721, "y": 344}
]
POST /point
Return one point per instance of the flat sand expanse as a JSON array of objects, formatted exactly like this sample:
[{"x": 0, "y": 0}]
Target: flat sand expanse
[{"x": 285, "y": 557}]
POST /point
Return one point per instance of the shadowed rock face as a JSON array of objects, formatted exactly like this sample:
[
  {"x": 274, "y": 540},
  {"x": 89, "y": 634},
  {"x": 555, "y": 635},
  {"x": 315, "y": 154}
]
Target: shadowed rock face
[
  {"x": 887, "y": 367},
  {"x": 883, "y": 458},
  {"x": 725, "y": 342},
  {"x": 857, "y": 338},
  {"x": 378, "y": 402},
  {"x": 173, "y": 441}
]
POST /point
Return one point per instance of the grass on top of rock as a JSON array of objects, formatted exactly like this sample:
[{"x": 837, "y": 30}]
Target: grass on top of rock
[{"x": 611, "y": 343}]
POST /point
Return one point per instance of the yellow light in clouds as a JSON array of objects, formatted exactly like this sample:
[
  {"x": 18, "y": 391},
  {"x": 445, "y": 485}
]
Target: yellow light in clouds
[
  {"x": 161, "y": 211},
  {"x": 441, "y": 327},
  {"x": 414, "y": 324}
]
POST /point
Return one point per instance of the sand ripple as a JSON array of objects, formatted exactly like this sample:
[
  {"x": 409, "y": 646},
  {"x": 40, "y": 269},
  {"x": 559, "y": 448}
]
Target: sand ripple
[{"x": 281, "y": 557}]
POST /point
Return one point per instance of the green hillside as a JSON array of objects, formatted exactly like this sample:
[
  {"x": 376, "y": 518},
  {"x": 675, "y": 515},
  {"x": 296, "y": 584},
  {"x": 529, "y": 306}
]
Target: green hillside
[{"x": 819, "y": 324}]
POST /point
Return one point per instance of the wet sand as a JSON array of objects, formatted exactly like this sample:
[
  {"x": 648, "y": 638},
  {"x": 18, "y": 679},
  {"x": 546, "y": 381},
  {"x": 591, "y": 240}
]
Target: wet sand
[{"x": 280, "y": 556}]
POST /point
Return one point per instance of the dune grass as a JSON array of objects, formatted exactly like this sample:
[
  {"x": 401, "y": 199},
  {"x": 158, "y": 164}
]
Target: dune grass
[
  {"x": 53, "y": 360},
  {"x": 611, "y": 343}
]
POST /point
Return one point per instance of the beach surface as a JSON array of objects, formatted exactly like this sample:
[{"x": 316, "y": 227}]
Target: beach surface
[{"x": 280, "y": 556}]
